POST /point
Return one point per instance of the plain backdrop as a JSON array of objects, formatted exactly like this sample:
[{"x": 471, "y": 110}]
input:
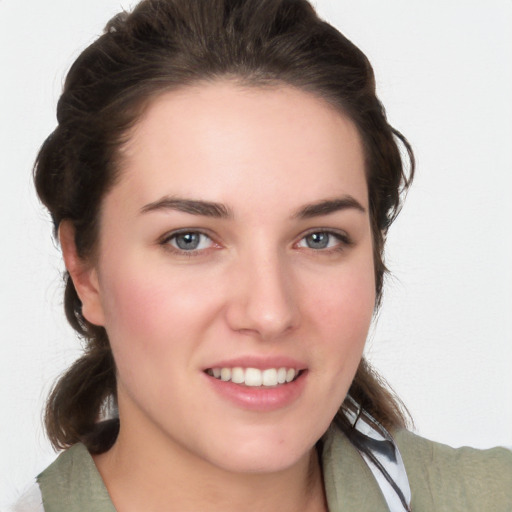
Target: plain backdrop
[{"x": 443, "y": 338}]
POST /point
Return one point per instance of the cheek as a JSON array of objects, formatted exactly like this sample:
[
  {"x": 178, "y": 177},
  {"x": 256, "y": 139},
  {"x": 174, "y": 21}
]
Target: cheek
[
  {"x": 151, "y": 311},
  {"x": 132, "y": 306},
  {"x": 153, "y": 319},
  {"x": 346, "y": 304},
  {"x": 342, "y": 313}
]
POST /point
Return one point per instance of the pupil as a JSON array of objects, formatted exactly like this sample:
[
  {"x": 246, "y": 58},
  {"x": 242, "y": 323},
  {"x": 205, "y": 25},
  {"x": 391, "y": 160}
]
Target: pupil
[
  {"x": 318, "y": 240},
  {"x": 187, "y": 241}
]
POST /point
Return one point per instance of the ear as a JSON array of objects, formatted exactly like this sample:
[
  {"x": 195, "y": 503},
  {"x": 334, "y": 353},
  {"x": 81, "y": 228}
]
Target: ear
[{"x": 83, "y": 274}]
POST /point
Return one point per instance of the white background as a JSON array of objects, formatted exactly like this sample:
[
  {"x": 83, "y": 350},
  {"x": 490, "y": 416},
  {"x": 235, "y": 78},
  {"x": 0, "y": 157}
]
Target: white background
[{"x": 444, "y": 336}]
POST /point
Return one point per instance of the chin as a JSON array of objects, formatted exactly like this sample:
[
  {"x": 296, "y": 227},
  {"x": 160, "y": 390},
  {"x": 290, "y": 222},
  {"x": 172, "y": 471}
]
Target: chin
[
  {"x": 263, "y": 452},
  {"x": 263, "y": 463}
]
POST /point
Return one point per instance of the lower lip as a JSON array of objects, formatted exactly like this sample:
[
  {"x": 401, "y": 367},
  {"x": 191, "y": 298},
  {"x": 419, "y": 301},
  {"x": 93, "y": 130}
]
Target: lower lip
[{"x": 262, "y": 399}]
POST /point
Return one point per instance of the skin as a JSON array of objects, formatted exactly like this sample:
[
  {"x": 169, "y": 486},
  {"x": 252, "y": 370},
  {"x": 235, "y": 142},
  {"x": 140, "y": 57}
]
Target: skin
[{"x": 255, "y": 286}]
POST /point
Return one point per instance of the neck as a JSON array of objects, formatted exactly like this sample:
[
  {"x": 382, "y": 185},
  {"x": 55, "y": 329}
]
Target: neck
[{"x": 151, "y": 474}]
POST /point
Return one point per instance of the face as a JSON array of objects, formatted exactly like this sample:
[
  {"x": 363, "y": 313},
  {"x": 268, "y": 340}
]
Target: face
[{"x": 234, "y": 273}]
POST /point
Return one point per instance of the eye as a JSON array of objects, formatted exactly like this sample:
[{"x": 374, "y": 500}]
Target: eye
[
  {"x": 319, "y": 240},
  {"x": 188, "y": 241}
]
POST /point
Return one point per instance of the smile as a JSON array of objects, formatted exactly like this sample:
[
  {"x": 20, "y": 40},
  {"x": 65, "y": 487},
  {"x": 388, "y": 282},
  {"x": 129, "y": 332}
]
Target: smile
[{"x": 255, "y": 377}]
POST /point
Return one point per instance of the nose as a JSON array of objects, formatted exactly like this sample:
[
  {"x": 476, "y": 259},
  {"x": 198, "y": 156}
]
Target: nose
[{"x": 263, "y": 300}]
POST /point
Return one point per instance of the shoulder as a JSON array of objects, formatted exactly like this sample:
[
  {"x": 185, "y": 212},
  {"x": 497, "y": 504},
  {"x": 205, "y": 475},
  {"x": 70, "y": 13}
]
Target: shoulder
[
  {"x": 445, "y": 478},
  {"x": 74, "y": 459},
  {"x": 73, "y": 484}
]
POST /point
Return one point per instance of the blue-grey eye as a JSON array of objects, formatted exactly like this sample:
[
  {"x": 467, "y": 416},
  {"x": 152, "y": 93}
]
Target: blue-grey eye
[
  {"x": 190, "y": 241},
  {"x": 321, "y": 240},
  {"x": 318, "y": 240}
]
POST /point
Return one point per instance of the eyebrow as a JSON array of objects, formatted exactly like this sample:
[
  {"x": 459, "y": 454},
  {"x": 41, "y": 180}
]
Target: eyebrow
[
  {"x": 220, "y": 211},
  {"x": 194, "y": 207},
  {"x": 328, "y": 206}
]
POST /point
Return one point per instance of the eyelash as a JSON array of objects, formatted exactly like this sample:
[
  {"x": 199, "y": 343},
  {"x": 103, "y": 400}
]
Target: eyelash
[
  {"x": 342, "y": 238},
  {"x": 167, "y": 239}
]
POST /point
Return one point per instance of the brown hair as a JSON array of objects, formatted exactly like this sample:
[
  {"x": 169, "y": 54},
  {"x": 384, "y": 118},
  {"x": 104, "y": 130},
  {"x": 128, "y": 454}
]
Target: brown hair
[{"x": 162, "y": 45}]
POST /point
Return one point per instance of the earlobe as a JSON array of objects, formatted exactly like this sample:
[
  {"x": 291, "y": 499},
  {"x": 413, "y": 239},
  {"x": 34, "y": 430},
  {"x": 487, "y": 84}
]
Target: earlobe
[{"x": 83, "y": 274}]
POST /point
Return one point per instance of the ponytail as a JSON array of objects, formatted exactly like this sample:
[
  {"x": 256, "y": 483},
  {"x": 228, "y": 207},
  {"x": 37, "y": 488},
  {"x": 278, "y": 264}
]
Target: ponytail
[{"x": 75, "y": 407}]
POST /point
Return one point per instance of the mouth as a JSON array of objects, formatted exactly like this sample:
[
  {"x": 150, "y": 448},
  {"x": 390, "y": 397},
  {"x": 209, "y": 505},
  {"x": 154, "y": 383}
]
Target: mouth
[{"x": 255, "y": 377}]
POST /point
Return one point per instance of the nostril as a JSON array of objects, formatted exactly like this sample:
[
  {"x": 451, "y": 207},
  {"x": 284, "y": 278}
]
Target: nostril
[{"x": 262, "y": 302}]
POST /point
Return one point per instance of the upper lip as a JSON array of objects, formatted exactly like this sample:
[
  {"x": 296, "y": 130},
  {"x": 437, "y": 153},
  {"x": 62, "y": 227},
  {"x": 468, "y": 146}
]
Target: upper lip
[{"x": 259, "y": 362}]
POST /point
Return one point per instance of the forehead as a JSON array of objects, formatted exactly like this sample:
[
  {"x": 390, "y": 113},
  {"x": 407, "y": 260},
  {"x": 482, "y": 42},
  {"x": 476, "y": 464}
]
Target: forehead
[{"x": 225, "y": 142}]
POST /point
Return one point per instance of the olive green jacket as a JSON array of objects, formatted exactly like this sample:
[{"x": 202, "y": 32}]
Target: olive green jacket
[{"x": 442, "y": 479}]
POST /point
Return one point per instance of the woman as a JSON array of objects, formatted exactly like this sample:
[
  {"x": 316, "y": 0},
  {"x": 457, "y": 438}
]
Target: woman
[{"x": 221, "y": 181}]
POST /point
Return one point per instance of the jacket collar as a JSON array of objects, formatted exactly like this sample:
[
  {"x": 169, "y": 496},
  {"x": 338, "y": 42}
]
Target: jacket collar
[{"x": 349, "y": 482}]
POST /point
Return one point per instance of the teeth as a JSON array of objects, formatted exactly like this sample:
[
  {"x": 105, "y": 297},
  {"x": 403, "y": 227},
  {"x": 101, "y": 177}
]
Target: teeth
[
  {"x": 269, "y": 377},
  {"x": 237, "y": 375},
  {"x": 225, "y": 374},
  {"x": 254, "y": 377}
]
